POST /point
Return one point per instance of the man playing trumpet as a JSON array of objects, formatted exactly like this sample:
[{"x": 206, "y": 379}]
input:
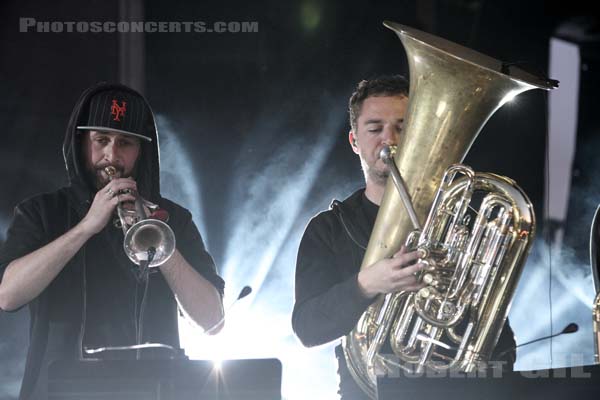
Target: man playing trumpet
[{"x": 64, "y": 258}]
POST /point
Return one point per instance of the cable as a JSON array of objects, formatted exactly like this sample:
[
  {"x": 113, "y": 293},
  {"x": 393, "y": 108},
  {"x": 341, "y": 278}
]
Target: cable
[
  {"x": 145, "y": 276},
  {"x": 336, "y": 207},
  {"x": 547, "y": 232},
  {"x": 83, "y": 304}
]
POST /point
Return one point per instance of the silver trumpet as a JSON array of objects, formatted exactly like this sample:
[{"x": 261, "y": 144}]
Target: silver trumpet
[{"x": 148, "y": 242}]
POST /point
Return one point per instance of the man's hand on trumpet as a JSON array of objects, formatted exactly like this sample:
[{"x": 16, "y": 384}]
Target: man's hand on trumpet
[{"x": 117, "y": 191}]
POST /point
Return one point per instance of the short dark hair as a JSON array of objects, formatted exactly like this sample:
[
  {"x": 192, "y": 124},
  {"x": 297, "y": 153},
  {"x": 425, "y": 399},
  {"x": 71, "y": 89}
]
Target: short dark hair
[{"x": 389, "y": 85}]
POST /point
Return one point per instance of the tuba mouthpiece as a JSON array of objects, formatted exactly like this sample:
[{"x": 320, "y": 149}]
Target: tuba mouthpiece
[{"x": 387, "y": 153}]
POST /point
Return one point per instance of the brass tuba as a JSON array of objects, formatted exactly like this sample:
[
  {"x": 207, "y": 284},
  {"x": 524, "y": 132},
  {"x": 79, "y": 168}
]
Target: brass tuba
[{"x": 474, "y": 258}]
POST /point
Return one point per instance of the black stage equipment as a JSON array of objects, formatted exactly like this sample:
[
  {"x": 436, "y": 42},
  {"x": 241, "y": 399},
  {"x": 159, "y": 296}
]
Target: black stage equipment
[
  {"x": 256, "y": 379},
  {"x": 581, "y": 382}
]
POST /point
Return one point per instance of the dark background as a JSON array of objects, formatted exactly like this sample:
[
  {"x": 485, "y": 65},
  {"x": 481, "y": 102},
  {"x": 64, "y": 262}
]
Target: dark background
[{"x": 242, "y": 104}]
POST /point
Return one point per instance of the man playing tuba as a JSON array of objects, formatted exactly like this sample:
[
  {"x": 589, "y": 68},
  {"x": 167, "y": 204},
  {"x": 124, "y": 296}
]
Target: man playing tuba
[{"x": 332, "y": 292}]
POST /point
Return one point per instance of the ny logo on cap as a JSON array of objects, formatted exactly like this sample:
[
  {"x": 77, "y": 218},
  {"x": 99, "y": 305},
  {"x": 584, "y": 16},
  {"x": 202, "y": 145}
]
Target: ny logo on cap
[{"x": 118, "y": 111}]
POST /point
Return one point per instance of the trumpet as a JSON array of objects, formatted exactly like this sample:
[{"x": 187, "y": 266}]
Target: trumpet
[{"x": 148, "y": 242}]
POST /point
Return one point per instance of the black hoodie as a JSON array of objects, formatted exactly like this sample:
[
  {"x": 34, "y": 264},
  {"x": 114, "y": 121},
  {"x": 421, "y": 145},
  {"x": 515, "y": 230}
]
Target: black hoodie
[{"x": 94, "y": 299}]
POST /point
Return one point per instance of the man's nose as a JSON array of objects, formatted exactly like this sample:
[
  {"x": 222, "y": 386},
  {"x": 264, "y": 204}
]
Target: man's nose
[
  {"x": 389, "y": 135},
  {"x": 111, "y": 152}
]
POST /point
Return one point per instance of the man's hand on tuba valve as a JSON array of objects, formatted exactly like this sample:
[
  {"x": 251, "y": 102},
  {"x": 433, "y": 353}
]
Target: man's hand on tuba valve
[{"x": 393, "y": 274}]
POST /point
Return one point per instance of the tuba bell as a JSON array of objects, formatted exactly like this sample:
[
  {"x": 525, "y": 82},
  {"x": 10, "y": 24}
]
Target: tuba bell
[
  {"x": 147, "y": 242},
  {"x": 477, "y": 227}
]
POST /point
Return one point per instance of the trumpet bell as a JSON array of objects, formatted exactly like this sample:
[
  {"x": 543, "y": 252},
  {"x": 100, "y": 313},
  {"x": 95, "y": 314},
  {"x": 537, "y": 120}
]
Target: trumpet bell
[{"x": 149, "y": 240}]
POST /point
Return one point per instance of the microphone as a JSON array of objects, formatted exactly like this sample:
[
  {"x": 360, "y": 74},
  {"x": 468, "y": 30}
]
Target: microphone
[
  {"x": 246, "y": 290},
  {"x": 570, "y": 328}
]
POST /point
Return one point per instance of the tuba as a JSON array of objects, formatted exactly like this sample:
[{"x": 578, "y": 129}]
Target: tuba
[{"x": 477, "y": 227}]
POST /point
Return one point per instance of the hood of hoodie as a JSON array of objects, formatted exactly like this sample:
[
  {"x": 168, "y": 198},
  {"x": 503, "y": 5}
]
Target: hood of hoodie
[{"x": 148, "y": 165}]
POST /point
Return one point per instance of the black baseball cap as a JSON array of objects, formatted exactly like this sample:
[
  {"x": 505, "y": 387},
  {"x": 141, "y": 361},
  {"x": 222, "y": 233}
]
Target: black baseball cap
[{"x": 118, "y": 111}]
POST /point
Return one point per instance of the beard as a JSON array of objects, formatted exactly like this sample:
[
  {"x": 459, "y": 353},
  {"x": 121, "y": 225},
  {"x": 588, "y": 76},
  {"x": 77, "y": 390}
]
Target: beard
[
  {"x": 98, "y": 177},
  {"x": 374, "y": 174},
  {"x": 379, "y": 177}
]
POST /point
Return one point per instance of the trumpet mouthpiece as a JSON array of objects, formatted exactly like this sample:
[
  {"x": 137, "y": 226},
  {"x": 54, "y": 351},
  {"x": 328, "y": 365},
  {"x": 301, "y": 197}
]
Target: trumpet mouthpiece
[{"x": 110, "y": 171}]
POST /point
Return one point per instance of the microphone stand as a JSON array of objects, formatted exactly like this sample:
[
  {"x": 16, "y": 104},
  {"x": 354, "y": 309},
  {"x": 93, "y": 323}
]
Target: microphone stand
[{"x": 570, "y": 328}]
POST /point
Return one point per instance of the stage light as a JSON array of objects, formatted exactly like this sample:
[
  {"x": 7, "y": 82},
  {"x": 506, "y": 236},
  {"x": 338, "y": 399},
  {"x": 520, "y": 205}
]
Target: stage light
[
  {"x": 265, "y": 228},
  {"x": 263, "y": 233}
]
